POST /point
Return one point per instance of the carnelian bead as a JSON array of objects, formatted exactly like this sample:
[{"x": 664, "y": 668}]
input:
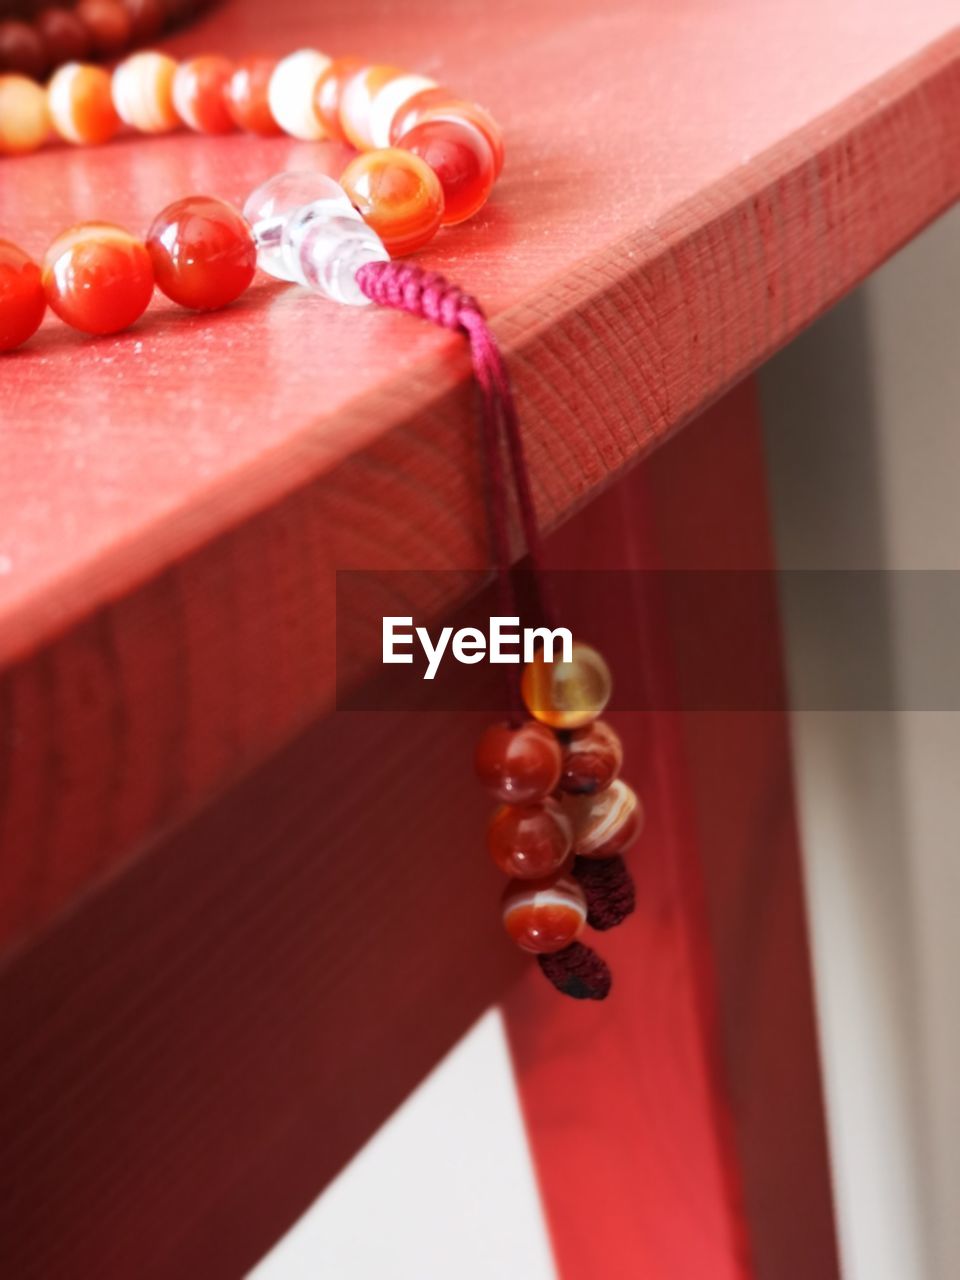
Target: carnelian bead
[
  {"x": 203, "y": 252},
  {"x": 81, "y": 104},
  {"x": 461, "y": 157},
  {"x": 544, "y": 915},
  {"x": 606, "y": 823},
  {"x": 567, "y": 695},
  {"x": 398, "y": 195},
  {"x": 530, "y": 841},
  {"x": 24, "y": 116},
  {"x": 592, "y": 757},
  {"x": 109, "y": 25},
  {"x": 440, "y": 104},
  {"x": 247, "y": 96},
  {"x": 147, "y": 18},
  {"x": 22, "y": 49},
  {"x": 65, "y": 36},
  {"x": 22, "y": 300},
  {"x": 97, "y": 277},
  {"x": 519, "y": 764},
  {"x": 199, "y": 93},
  {"x": 329, "y": 91}
]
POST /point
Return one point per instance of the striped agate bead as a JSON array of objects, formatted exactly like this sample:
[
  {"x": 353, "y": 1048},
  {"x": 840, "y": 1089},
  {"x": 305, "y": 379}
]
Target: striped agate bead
[
  {"x": 24, "y": 115},
  {"x": 81, "y": 104},
  {"x": 544, "y": 915},
  {"x": 530, "y": 841},
  {"x": 200, "y": 93},
  {"x": 592, "y": 758},
  {"x": 606, "y": 823},
  {"x": 143, "y": 92},
  {"x": 370, "y": 100},
  {"x": 291, "y": 94}
]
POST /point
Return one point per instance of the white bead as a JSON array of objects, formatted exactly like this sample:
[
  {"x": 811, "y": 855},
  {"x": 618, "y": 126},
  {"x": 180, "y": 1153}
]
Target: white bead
[
  {"x": 142, "y": 95},
  {"x": 325, "y": 249},
  {"x": 290, "y": 94},
  {"x": 394, "y": 95},
  {"x": 274, "y": 202},
  {"x": 60, "y": 101}
]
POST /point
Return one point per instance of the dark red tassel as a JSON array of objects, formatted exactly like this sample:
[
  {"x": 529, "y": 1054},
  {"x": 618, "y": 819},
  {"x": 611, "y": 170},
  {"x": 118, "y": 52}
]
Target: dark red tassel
[
  {"x": 609, "y": 890},
  {"x": 578, "y": 972}
]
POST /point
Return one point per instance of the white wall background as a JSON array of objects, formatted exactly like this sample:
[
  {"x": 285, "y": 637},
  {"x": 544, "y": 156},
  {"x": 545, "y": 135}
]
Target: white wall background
[{"x": 862, "y": 418}]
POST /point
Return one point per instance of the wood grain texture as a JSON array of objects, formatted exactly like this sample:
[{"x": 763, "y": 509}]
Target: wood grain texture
[
  {"x": 678, "y": 1129},
  {"x": 175, "y": 500},
  {"x": 204, "y": 1042}
]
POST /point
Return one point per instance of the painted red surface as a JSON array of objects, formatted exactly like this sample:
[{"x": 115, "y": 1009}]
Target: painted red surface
[
  {"x": 175, "y": 501},
  {"x": 677, "y": 1129}
]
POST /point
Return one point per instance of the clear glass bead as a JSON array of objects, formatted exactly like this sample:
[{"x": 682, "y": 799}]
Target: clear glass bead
[
  {"x": 269, "y": 207},
  {"x": 308, "y": 232},
  {"x": 324, "y": 250}
]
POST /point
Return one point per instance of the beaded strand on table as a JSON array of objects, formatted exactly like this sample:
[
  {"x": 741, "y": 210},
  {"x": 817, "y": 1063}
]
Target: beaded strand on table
[{"x": 428, "y": 159}]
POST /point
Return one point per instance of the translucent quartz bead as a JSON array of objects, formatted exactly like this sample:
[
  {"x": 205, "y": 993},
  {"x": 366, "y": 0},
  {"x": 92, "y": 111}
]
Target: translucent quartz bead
[
  {"x": 308, "y": 232},
  {"x": 22, "y": 300},
  {"x": 567, "y": 695}
]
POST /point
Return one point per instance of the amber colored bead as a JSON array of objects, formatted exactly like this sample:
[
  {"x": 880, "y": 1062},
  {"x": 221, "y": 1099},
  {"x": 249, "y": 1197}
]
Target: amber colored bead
[
  {"x": 329, "y": 91},
  {"x": 22, "y": 300},
  {"x": 22, "y": 49},
  {"x": 247, "y": 96},
  {"x": 199, "y": 93},
  {"x": 567, "y": 695},
  {"x": 81, "y": 103},
  {"x": 606, "y": 823},
  {"x": 530, "y": 841},
  {"x": 519, "y": 764},
  {"x": 544, "y": 915},
  {"x": 109, "y": 25},
  {"x": 460, "y": 155},
  {"x": 398, "y": 195},
  {"x": 441, "y": 104},
  {"x": 24, "y": 116},
  {"x": 65, "y": 36},
  {"x": 97, "y": 277},
  {"x": 203, "y": 252},
  {"x": 592, "y": 757}
]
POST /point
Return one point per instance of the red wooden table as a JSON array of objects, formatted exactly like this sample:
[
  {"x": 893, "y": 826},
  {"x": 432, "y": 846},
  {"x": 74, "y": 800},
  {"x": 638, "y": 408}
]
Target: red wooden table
[{"x": 233, "y": 935}]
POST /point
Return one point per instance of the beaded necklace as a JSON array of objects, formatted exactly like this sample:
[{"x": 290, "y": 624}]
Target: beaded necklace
[{"x": 426, "y": 160}]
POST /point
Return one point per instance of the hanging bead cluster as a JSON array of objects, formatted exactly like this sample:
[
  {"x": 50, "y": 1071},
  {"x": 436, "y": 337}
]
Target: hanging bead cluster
[{"x": 564, "y": 820}]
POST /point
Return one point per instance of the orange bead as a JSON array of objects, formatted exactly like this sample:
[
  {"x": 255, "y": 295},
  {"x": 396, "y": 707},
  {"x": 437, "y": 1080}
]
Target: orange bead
[
  {"x": 530, "y": 841},
  {"x": 200, "y": 93},
  {"x": 440, "y": 104},
  {"x": 203, "y": 252},
  {"x": 97, "y": 277},
  {"x": 356, "y": 97},
  {"x": 567, "y": 695},
  {"x": 247, "y": 99},
  {"x": 544, "y": 915},
  {"x": 605, "y": 823},
  {"x": 24, "y": 116},
  {"x": 81, "y": 105},
  {"x": 22, "y": 300},
  {"x": 329, "y": 91},
  {"x": 461, "y": 157},
  {"x": 109, "y": 24},
  {"x": 398, "y": 195},
  {"x": 519, "y": 764}
]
